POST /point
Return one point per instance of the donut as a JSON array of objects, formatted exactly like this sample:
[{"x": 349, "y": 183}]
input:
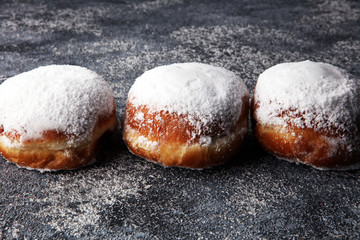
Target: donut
[
  {"x": 308, "y": 112},
  {"x": 55, "y": 117},
  {"x": 190, "y": 115}
]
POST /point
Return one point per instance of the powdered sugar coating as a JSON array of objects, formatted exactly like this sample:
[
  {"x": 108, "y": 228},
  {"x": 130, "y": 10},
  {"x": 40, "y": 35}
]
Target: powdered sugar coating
[
  {"x": 203, "y": 92},
  {"x": 311, "y": 95},
  {"x": 64, "y": 98}
]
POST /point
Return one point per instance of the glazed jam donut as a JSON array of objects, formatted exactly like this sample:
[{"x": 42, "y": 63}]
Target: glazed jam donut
[
  {"x": 54, "y": 117},
  {"x": 308, "y": 112},
  {"x": 188, "y": 114}
]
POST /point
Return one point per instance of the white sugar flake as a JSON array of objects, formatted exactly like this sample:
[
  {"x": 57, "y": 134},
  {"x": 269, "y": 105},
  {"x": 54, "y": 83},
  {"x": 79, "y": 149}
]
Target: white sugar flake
[
  {"x": 64, "y": 98},
  {"x": 309, "y": 95},
  {"x": 205, "y": 93}
]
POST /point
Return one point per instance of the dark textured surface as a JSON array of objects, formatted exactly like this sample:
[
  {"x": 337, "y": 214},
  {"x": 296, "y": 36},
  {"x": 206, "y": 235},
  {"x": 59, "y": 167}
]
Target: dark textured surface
[{"x": 124, "y": 197}]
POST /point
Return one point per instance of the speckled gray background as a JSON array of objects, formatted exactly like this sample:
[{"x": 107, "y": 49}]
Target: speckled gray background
[{"x": 122, "y": 196}]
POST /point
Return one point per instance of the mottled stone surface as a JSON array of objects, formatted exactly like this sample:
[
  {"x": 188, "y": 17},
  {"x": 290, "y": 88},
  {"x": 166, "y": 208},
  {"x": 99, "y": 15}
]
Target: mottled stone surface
[{"x": 124, "y": 197}]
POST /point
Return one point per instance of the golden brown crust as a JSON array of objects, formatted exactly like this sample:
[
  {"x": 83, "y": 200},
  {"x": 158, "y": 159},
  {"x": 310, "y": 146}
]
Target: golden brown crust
[
  {"x": 54, "y": 151},
  {"x": 44, "y": 159},
  {"x": 306, "y": 146},
  {"x": 319, "y": 149},
  {"x": 168, "y": 139}
]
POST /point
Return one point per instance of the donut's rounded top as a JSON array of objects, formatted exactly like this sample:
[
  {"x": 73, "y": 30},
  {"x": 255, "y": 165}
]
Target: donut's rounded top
[
  {"x": 203, "y": 92},
  {"x": 64, "y": 98},
  {"x": 309, "y": 95}
]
